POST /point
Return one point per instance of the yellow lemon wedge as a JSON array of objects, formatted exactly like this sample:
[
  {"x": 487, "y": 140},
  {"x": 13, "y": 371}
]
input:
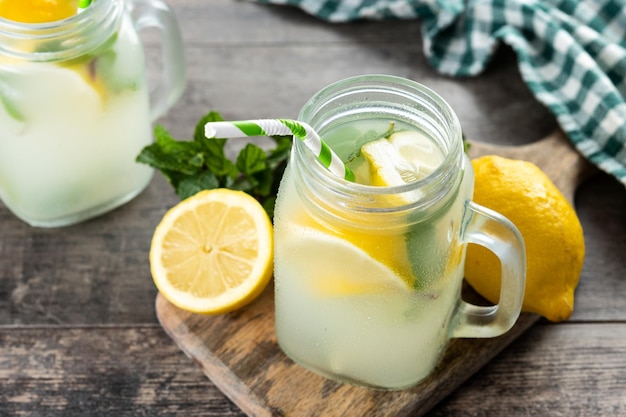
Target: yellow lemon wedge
[
  {"x": 417, "y": 150},
  {"x": 213, "y": 252},
  {"x": 386, "y": 166},
  {"x": 37, "y": 11},
  {"x": 402, "y": 158},
  {"x": 336, "y": 277},
  {"x": 388, "y": 250},
  {"x": 553, "y": 235}
]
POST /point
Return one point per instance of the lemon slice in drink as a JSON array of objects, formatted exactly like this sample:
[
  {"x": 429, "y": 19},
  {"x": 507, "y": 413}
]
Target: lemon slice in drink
[
  {"x": 213, "y": 252},
  {"x": 402, "y": 158},
  {"x": 419, "y": 152},
  {"x": 386, "y": 166},
  {"x": 333, "y": 276}
]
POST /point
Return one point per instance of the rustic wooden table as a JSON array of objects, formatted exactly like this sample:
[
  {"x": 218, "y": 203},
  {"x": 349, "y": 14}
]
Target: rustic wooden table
[{"x": 78, "y": 331}]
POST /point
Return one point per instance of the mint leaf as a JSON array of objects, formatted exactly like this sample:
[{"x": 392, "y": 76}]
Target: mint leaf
[
  {"x": 268, "y": 205},
  {"x": 198, "y": 134},
  {"x": 369, "y": 136},
  {"x": 281, "y": 152},
  {"x": 213, "y": 149},
  {"x": 10, "y": 95},
  {"x": 191, "y": 185},
  {"x": 101, "y": 65},
  {"x": 251, "y": 160},
  {"x": 425, "y": 248},
  {"x": 167, "y": 154},
  {"x": 201, "y": 164}
]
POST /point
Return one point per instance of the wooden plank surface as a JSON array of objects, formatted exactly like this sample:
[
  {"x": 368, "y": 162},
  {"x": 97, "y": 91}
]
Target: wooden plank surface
[
  {"x": 239, "y": 353},
  {"x": 137, "y": 371},
  {"x": 102, "y": 371},
  {"x": 75, "y": 301}
]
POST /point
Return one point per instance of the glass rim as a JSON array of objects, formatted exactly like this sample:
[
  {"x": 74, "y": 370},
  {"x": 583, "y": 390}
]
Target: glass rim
[
  {"x": 432, "y": 184},
  {"x": 67, "y": 33}
]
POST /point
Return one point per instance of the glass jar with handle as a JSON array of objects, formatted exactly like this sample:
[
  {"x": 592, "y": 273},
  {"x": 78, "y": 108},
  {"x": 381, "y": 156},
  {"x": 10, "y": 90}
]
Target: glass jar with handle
[
  {"x": 75, "y": 108},
  {"x": 368, "y": 275}
]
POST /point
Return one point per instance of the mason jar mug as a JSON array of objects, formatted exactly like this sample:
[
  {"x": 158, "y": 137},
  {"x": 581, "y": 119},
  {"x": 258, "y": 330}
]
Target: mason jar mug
[
  {"x": 75, "y": 109},
  {"x": 368, "y": 277}
]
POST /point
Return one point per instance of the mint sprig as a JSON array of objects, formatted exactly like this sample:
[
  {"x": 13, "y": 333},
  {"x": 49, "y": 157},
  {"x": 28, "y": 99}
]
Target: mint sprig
[{"x": 201, "y": 164}]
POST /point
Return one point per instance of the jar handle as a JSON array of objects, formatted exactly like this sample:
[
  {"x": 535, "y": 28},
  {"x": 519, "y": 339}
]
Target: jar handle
[
  {"x": 158, "y": 14},
  {"x": 495, "y": 232}
]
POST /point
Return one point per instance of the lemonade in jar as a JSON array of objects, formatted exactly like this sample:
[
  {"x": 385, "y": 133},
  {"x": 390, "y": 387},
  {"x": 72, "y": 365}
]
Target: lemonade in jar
[
  {"x": 368, "y": 274},
  {"x": 75, "y": 111}
]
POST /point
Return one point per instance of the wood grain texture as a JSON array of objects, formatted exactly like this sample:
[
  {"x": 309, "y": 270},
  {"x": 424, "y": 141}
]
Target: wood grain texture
[
  {"x": 239, "y": 353},
  {"x": 568, "y": 369},
  {"x": 104, "y": 371},
  {"x": 95, "y": 272},
  {"x": 137, "y": 371},
  {"x": 62, "y": 290}
]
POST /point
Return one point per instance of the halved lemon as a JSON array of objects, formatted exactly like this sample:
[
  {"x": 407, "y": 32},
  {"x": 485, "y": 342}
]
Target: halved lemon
[{"x": 213, "y": 252}]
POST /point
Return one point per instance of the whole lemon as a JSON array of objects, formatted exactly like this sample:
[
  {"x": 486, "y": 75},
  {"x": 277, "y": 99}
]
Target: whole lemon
[{"x": 552, "y": 233}]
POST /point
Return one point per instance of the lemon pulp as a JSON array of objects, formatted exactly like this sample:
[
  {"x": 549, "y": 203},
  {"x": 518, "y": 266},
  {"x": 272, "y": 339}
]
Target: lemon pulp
[{"x": 213, "y": 252}]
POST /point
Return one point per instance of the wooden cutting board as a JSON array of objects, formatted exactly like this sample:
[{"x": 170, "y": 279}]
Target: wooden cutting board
[{"x": 239, "y": 353}]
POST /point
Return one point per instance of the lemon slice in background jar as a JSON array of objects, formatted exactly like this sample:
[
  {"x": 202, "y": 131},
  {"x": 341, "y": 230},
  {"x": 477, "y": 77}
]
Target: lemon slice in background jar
[{"x": 37, "y": 11}]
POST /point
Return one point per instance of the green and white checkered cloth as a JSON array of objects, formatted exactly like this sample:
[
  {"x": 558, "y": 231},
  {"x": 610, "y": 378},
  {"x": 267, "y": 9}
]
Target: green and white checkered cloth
[{"x": 571, "y": 53}]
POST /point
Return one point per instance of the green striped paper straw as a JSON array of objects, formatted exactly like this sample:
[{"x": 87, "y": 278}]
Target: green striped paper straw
[{"x": 273, "y": 127}]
